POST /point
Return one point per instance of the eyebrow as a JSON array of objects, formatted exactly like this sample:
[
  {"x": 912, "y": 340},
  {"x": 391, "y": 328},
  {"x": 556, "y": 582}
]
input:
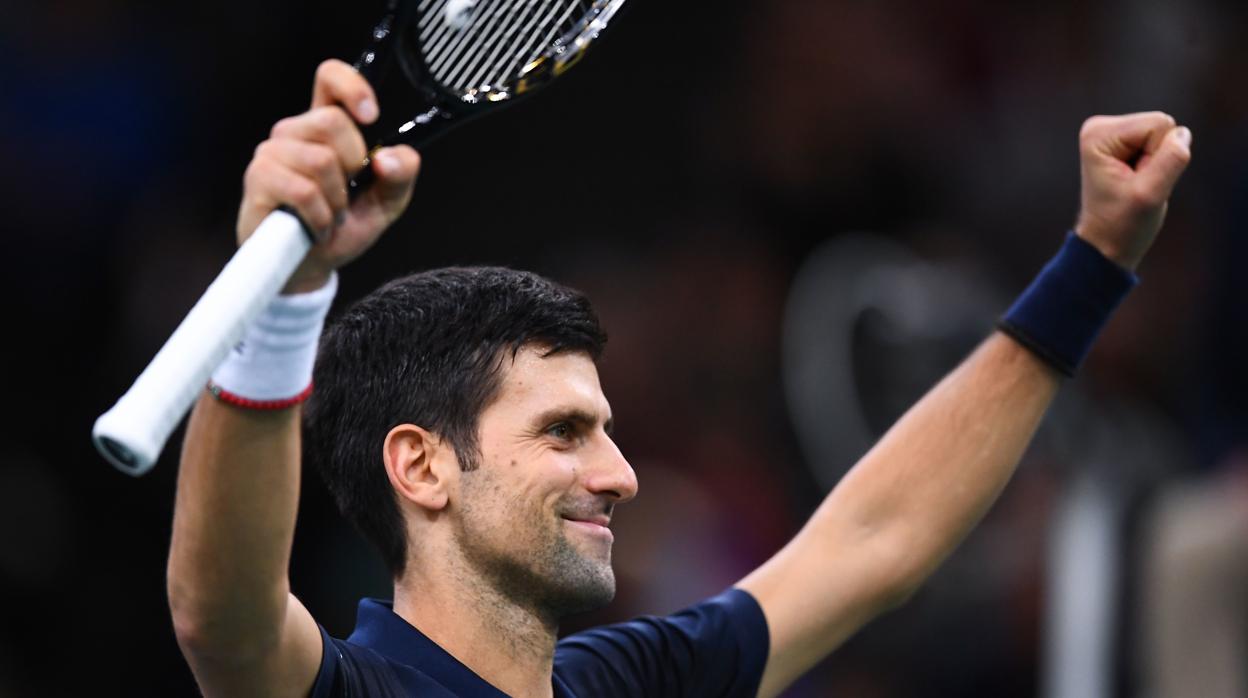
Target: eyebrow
[{"x": 575, "y": 415}]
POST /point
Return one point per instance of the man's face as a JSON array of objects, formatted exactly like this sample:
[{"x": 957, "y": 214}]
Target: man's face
[{"x": 533, "y": 517}]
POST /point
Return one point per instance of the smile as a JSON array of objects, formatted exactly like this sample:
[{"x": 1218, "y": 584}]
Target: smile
[{"x": 594, "y": 527}]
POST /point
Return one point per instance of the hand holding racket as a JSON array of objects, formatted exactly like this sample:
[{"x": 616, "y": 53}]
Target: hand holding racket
[
  {"x": 305, "y": 165},
  {"x": 465, "y": 58}
]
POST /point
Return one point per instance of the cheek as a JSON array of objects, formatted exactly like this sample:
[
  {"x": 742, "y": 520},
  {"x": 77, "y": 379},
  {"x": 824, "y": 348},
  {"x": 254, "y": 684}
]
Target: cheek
[
  {"x": 555, "y": 474},
  {"x": 528, "y": 478},
  {"x": 550, "y": 481}
]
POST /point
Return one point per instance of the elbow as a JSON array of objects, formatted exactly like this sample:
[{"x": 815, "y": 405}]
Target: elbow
[
  {"x": 206, "y": 639},
  {"x": 194, "y": 632},
  {"x": 211, "y": 628},
  {"x": 898, "y": 594},
  {"x": 192, "y": 635},
  {"x": 891, "y": 591},
  {"x": 193, "y": 625},
  {"x": 901, "y": 573}
]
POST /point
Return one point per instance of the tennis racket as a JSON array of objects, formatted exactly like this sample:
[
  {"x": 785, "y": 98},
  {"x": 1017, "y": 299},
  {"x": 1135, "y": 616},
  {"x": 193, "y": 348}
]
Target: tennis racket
[{"x": 465, "y": 58}]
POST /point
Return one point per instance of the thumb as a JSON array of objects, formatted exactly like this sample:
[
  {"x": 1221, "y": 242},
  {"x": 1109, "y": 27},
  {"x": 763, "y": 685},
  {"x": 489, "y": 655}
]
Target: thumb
[
  {"x": 1160, "y": 174},
  {"x": 396, "y": 169}
]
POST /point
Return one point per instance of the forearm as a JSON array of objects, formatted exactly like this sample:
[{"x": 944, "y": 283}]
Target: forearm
[
  {"x": 932, "y": 477},
  {"x": 900, "y": 511},
  {"x": 238, "y": 491}
]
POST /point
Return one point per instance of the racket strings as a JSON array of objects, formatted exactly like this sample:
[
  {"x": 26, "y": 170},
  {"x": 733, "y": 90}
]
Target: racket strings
[
  {"x": 487, "y": 42},
  {"x": 504, "y": 20}
]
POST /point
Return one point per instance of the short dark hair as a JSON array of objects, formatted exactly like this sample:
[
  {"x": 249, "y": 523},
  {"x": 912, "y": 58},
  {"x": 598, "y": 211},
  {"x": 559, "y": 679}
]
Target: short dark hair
[{"x": 426, "y": 349}]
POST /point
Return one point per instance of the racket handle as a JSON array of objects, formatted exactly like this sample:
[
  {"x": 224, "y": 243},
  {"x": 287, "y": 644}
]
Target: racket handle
[{"x": 132, "y": 434}]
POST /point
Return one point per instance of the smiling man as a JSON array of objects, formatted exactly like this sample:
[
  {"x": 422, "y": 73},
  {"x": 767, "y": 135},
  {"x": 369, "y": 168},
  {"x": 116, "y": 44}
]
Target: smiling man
[{"x": 459, "y": 422}]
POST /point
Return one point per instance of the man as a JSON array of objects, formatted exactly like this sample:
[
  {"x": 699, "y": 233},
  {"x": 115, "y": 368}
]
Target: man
[{"x": 459, "y": 421}]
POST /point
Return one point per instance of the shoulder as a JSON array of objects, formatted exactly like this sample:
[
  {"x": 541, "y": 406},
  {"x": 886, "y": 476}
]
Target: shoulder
[
  {"x": 716, "y": 647},
  {"x": 352, "y": 671}
]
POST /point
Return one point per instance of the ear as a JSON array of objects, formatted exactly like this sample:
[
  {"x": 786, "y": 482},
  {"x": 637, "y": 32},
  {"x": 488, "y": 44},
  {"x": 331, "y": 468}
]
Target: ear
[{"x": 417, "y": 465}]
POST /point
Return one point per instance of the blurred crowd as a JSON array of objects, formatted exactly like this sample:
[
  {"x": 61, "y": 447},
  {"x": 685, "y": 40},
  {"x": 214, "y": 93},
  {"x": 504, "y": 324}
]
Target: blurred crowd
[{"x": 912, "y": 163}]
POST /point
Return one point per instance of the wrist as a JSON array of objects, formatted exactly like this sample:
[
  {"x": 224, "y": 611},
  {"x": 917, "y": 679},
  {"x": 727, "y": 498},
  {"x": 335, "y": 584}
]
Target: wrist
[
  {"x": 271, "y": 368},
  {"x": 1123, "y": 244},
  {"x": 1090, "y": 233},
  {"x": 1061, "y": 313},
  {"x": 307, "y": 280}
]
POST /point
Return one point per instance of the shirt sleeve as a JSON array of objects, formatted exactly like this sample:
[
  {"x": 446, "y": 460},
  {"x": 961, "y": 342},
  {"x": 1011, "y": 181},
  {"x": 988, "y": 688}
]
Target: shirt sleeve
[
  {"x": 349, "y": 671},
  {"x": 715, "y": 648}
]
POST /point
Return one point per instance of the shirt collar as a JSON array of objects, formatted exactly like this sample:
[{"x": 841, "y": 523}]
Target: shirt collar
[{"x": 380, "y": 629}]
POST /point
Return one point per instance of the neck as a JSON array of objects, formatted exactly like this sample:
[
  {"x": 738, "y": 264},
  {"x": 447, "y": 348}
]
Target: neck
[{"x": 507, "y": 644}]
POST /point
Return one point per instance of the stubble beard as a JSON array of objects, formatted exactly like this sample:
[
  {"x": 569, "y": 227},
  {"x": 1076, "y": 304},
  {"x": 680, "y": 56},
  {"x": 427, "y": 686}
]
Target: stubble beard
[{"x": 533, "y": 564}]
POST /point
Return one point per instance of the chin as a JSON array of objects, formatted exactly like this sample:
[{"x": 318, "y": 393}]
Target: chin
[{"x": 582, "y": 587}]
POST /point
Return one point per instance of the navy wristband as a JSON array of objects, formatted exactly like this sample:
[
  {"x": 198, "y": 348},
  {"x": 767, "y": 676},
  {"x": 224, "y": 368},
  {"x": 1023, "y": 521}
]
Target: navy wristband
[{"x": 1063, "y": 310}]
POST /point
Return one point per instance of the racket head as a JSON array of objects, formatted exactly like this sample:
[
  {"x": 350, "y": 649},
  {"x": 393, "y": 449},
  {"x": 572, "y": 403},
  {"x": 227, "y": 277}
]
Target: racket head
[
  {"x": 482, "y": 55},
  {"x": 469, "y": 54}
]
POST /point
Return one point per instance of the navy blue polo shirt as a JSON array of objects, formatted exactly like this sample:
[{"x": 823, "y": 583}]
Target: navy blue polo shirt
[{"x": 714, "y": 648}]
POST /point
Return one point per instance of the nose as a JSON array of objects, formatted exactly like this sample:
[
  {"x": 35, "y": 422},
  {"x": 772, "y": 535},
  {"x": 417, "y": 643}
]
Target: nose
[{"x": 611, "y": 474}]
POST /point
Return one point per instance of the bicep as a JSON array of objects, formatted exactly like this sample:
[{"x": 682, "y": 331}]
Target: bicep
[
  {"x": 815, "y": 593},
  {"x": 288, "y": 668}
]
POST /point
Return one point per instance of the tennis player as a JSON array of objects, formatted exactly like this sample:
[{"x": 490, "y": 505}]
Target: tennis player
[{"x": 459, "y": 422}]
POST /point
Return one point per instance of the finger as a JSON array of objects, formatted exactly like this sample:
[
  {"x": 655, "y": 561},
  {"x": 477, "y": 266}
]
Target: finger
[
  {"x": 328, "y": 125},
  {"x": 1125, "y": 137},
  {"x": 1158, "y": 177},
  {"x": 314, "y": 160},
  {"x": 274, "y": 184},
  {"x": 396, "y": 169},
  {"x": 338, "y": 83}
]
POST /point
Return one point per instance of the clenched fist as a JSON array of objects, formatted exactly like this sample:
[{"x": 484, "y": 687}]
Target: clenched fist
[
  {"x": 1130, "y": 165},
  {"x": 306, "y": 164}
]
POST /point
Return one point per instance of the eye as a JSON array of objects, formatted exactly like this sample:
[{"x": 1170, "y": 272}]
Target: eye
[{"x": 561, "y": 430}]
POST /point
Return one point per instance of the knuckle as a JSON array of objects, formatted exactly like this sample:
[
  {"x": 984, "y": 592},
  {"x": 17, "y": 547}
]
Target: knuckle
[
  {"x": 356, "y": 149},
  {"x": 259, "y": 172},
  {"x": 319, "y": 217},
  {"x": 1091, "y": 126},
  {"x": 1144, "y": 197},
  {"x": 302, "y": 192},
  {"x": 330, "y": 119},
  {"x": 1162, "y": 118},
  {"x": 328, "y": 76},
  {"x": 251, "y": 174},
  {"x": 282, "y": 127},
  {"x": 322, "y": 159},
  {"x": 331, "y": 67},
  {"x": 321, "y": 119},
  {"x": 265, "y": 149},
  {"x": 340, "y": 119}
]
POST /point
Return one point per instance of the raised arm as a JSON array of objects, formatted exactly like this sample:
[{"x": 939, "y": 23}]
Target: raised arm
[
  {"x": 900, "y": 511},
  {"x": 239, "y": 627}
]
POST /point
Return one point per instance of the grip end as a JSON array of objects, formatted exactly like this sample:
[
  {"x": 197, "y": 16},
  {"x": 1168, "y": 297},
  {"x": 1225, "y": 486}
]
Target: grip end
[{"x": 128, "y": 453}]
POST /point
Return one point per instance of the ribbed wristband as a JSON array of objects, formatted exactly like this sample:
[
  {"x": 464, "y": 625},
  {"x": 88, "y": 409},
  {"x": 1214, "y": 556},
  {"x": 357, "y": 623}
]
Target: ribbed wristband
[
  {"x": 271, "y": 368},
  {"x": 1061, "y": 313}
]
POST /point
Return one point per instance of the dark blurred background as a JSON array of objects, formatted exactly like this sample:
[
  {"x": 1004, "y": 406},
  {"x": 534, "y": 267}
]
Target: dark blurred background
[{"x": 914, "y": 163}]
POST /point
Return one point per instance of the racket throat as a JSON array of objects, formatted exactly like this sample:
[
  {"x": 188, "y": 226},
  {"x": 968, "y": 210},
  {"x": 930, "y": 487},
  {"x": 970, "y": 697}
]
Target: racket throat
[{"x": 424, "y": 127}]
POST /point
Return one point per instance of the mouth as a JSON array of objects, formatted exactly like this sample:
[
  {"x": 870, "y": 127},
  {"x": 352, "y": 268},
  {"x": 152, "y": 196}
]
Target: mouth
[{"x": 593, "y": 525}]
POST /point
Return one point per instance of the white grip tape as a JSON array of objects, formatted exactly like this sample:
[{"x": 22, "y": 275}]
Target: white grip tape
[{"x": 132, "y": 434}]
